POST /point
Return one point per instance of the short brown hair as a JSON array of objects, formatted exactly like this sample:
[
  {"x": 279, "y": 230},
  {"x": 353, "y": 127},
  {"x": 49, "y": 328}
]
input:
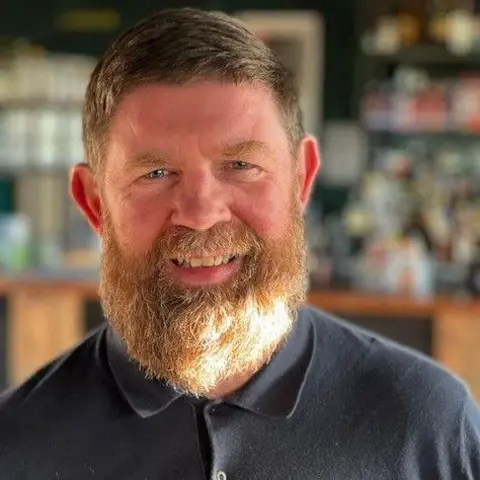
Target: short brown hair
[{"x": 179, "y": 46}]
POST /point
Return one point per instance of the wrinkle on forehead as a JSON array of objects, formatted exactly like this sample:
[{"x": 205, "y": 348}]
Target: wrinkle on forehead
[{"x": 205, "y": 117}]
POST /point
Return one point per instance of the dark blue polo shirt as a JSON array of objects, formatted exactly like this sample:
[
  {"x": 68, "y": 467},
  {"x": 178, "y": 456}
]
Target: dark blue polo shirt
[{"x": 336, "y": 403}]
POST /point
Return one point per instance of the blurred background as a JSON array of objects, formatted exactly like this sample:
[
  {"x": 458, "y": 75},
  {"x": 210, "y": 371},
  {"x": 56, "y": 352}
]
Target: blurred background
[{"x": 391, "y": 89}]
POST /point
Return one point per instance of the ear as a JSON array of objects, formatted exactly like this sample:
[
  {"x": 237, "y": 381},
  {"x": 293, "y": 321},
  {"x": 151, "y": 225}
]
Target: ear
[
  {"x": 308, "y": 165},
  {"x": 84, "y": 190}
]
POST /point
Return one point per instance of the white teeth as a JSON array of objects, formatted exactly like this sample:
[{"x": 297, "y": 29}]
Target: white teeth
[{"x": 203, "y": 262}]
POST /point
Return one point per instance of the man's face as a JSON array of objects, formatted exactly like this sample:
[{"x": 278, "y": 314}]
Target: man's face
[{"x": 201, "y": 206}]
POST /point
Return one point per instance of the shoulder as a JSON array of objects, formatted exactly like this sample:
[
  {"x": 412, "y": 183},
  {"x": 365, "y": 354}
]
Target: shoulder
[
  {"x": 57, "y": 407},
  {"x": 428, "y": 411},
  {"x": 52, "y": 382},
  {"x": 382, "y": 360}
]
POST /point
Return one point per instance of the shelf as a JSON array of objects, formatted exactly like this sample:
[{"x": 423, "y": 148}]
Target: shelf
[
  {"x": 41, "y": 103},
  {"x": 81, "y": 282},
  {"x": 427, "y": 134},
  {"x": 6, "y": 171},
  {"x": 383, "y": 305},
  {"x": 425, "y": 55}
]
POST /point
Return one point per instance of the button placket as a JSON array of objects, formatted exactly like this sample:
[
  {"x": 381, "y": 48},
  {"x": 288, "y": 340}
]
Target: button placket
[{"x": 211, "y": 410}]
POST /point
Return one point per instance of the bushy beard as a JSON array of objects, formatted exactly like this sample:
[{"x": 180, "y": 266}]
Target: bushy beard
[{"x": 193, "y": 338}]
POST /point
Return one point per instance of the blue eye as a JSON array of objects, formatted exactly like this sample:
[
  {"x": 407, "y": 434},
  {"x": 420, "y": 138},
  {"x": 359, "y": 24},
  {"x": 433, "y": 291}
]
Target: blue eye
[{"x": 158, "y": 173}]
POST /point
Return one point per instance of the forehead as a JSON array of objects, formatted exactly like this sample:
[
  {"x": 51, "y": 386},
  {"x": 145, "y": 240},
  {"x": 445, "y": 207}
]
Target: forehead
[{"x": 206, "y": 115}]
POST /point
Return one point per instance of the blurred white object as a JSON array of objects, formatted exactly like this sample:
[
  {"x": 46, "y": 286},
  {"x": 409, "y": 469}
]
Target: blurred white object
[
  {"x": 387, "y": 203},
  {"x": 460, "y": 32},
  {"x": 411, "y": 79},
  {"x": 15, "y": 242},
  {"x": 395, "y": 266},
  {"x": 344, "y": 152},
  {"x": 387, "y": 38},
  {"x": 297, "y": 37}
]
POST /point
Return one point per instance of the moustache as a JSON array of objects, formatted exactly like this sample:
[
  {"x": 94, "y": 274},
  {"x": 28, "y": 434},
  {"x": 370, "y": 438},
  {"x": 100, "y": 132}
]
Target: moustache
[{"x": 220, "y": 239}]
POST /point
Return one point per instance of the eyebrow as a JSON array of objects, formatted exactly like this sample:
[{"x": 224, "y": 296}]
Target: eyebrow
[
  {"x": 149, "y": 159},
  {"x": 245, "y": 148},
  {"x": 242, "y": 149}
]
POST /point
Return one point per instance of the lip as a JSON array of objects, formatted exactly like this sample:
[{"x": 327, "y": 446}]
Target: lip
[{"x": 205, "y": 276}]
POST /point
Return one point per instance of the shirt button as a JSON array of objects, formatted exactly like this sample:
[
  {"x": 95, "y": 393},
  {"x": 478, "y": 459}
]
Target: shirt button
[
  {"x": 221, "y": 475},
  {"x": 212, "y": 408}
]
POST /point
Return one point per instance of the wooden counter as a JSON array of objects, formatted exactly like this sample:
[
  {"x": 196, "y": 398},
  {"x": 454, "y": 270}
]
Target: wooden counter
[{"x": 46, "y": 317}]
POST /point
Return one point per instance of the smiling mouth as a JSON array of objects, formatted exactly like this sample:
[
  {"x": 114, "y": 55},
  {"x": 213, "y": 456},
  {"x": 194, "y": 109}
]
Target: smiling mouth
[{"x": 203, "y": 262}]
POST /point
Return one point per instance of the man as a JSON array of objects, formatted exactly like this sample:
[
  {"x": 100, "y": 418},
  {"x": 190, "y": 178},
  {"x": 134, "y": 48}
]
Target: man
[{"x": 197, "y": 179}]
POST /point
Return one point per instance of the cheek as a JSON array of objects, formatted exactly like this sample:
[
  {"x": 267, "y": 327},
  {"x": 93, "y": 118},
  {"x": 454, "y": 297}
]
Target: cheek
[
  {"x": 267, "y": 209},
  {"x": 139, "y": 219}
]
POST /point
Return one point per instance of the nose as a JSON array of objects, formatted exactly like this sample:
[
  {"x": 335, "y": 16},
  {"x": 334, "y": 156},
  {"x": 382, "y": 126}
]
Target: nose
[{"x": 200, "y": 201}]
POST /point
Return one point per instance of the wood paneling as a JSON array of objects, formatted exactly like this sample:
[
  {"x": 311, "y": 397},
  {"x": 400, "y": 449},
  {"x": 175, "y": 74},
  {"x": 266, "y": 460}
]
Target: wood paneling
[
  {"x": 457, "y": 340},
  {"x": 42, "y": 324}
]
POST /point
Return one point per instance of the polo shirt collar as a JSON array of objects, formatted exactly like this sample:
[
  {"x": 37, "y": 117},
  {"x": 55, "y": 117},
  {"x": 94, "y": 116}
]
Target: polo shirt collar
[
  {"x": 146, "y": 396},
  {"x": 274, "y": 391}
]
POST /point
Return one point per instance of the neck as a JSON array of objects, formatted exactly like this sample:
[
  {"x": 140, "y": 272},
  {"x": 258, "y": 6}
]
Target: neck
[
  {"x": 229, "y": 386},
  {"x": 235, "y": 382}
]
